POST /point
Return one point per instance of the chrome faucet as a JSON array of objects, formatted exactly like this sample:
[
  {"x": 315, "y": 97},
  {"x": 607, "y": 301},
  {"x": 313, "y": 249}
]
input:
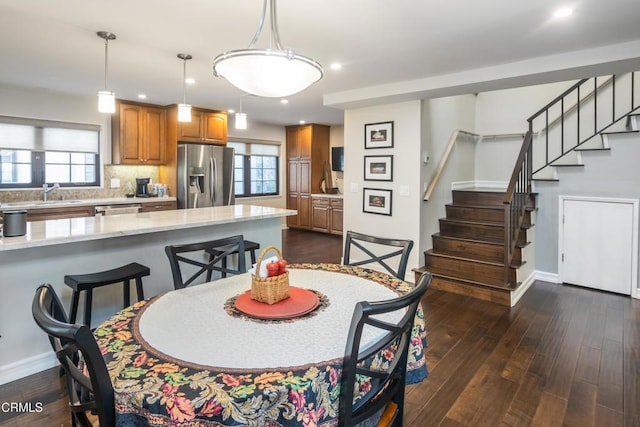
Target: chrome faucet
[{"x": 46, "y": 189}]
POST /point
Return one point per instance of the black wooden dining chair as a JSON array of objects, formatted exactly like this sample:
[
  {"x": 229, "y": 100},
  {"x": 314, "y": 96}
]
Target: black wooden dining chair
[
  {"x": 390, "y": 248},
  {"x": 384, "y": 401},
  {"x": 87, "y": 379},
  {"x": 203, "y": 260}
]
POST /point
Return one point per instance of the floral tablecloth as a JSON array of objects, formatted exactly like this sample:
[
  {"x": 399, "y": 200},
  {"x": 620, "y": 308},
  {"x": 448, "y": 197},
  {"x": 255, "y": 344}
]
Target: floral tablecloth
[{"x": 188, "y": 358}]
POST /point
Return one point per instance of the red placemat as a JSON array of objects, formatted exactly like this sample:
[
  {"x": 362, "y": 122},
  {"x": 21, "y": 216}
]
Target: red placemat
[{"x": 300, "y": 302}]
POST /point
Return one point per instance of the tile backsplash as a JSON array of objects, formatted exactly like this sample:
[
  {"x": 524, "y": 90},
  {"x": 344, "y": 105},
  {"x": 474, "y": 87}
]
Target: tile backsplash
[{"x": 126, "y": 174}]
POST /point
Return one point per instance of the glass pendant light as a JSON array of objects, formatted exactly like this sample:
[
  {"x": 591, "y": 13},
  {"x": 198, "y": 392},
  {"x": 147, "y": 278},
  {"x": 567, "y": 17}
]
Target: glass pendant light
[
  {"x": 106, "y": 98},
  {"x": 273, "y": 72},
  {"x": 184, "y": 109},
  {"x": 241, "y": 118}
]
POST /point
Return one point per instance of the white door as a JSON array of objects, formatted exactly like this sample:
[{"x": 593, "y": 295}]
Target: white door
[{"x": 598, "y": 244}]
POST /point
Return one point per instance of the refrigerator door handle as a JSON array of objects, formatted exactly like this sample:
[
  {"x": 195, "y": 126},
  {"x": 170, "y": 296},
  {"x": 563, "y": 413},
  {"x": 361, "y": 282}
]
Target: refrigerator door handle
[{"x": 214, "y": 178}]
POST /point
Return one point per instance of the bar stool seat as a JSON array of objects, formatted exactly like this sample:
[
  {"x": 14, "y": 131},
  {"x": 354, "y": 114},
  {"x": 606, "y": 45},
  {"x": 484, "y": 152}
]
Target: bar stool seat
[
  {"x": 87, "y": 282},
  {"x": 249, "y": 246}
]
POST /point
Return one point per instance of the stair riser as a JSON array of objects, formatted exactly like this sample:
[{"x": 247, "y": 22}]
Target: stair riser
[
  {"x": 478, "y": 232},
  {"x": 473, "y": 250},
  {"x": 479, "y": 198},
  {"x": 497, "y": 296},
  {"x": 468, "y": 270},
  {"x": 482, "y": 214}
]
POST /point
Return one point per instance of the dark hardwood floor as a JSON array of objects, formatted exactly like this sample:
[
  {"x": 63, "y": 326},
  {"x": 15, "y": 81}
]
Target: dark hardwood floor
[{"x": 563, "y": 356}]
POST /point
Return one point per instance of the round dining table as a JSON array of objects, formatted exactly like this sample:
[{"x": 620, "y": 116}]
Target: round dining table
[{"x": 190, "y": 357}]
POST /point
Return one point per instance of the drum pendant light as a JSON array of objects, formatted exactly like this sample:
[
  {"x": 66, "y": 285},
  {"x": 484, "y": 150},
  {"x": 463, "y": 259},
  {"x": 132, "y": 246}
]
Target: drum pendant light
[
  {"x": 184, "y": 109},
  {"x": 106, "y": 98},
  {"x": 272, "y": 72}
]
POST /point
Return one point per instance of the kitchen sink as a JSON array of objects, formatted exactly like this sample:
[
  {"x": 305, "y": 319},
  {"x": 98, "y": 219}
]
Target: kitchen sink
[{"x": 40, "y": 203}]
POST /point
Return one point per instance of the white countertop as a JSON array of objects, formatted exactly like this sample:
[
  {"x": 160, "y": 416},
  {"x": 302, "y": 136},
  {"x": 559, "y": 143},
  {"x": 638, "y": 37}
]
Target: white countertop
[
  {"x": 328, "y": 196},
  {"x": 61, "y": 231},
  {"x": 38, "y": 204}
]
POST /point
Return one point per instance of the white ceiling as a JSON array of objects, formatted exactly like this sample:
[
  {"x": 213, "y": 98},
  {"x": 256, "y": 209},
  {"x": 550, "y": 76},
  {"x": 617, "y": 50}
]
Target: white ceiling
[{"x": 399, "y": 49}]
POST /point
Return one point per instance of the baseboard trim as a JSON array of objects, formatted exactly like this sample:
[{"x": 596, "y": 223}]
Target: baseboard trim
[
  {"x": 547, "y": 277},
  {"x": 520, "y": 291},
  {"x": 470, "y": 185},
  {"x": 29, "y": 366}
]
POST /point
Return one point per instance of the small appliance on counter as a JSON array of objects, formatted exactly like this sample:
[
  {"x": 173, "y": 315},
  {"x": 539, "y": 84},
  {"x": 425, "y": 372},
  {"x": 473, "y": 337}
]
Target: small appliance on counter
[
  {"x": 14, "y": 223},
  {"x": 142, "y": 189}
]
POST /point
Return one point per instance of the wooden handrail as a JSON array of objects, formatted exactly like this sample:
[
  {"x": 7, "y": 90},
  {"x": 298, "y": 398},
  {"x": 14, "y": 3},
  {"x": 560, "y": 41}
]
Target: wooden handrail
[{"x": 443, "y": 161}]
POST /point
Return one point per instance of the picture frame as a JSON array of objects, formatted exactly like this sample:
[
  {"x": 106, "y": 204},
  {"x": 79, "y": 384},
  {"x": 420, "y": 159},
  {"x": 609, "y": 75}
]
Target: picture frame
[
  {"x": 378, "y": 168},
  {"x": 376, "y": 201},
  {"x": 378, "y": 135}
]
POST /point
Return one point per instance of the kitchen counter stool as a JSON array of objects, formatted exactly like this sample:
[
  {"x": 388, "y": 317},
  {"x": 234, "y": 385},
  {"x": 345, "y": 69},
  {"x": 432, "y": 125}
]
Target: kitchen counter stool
[
  {"x": 87, "y": 282},
  {"x": 249, "y": 246}
]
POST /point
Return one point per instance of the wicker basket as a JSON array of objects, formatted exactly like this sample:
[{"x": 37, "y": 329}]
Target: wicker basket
[{"x": 272, "y": 289}]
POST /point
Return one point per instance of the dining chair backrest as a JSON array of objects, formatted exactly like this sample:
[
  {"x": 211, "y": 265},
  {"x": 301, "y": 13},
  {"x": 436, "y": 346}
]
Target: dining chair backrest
[
  {"x": 87, "y": 379},
  {"x": 383, "y": 361},
  {"x": 203, "y": 261},
  {"x": 390, "y": 248}
]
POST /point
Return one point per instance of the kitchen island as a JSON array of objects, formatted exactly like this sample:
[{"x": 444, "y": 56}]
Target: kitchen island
[{"x": 53, "y": 248}]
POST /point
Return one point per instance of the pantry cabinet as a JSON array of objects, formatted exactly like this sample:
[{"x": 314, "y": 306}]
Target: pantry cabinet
[
  {"x": 307, "y": 152},
  {"x": 139, "y": 134}
]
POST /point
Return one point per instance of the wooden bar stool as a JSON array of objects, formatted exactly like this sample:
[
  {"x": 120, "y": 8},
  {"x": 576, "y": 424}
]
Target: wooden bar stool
[
  {"x": 249, "y": 246},
  {"x": 87, "y": 282}
]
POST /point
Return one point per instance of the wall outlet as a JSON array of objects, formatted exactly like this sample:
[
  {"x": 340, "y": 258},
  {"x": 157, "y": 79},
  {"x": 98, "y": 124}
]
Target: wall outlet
[
  {"x": 354, "y": 187},
  {"x": 404, "y": 190},
  {"x": 115, "y": 183}
]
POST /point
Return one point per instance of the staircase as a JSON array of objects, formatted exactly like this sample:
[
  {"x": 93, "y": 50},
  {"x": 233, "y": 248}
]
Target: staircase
[{"x": 468, "y": 253}]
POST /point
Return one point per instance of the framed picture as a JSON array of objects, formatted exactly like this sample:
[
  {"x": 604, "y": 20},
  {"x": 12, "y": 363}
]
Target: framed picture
[
  {"x": 378, "y": 168},
  {"x": 376, "y": 201},
  {"x": 378, "y": 135}
]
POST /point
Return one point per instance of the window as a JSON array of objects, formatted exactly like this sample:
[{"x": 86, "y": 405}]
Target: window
[
  {"x": 256, "y": 169},
  {"x": 35, "y": 152}
]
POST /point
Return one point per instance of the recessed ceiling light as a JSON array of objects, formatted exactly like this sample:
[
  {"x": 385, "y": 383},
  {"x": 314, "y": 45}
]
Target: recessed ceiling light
[
  {"x": 284, "y": 101},
  {"x": 190, "y": 81},
  {"x": 335, "y": 66},
  {"x": 231, "y": 111},
  {"x": 562, "y": 12},
  {"x": 142, "y": 96},
  {"x": 302, "y": 122}
]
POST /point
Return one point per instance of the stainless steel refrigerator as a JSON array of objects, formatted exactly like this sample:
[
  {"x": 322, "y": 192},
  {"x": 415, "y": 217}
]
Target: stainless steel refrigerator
[{"x": 205, "y": 176}]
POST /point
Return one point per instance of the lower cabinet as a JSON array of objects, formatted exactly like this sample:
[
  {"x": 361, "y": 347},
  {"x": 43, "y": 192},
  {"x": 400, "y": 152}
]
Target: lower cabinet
[
  {"x": 159, "y": 206},
  {"x": 59, "y": 213},
  {"x": 326, "y": 215}
]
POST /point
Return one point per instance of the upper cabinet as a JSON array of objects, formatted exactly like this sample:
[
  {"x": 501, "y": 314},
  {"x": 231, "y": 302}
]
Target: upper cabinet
[
  {"x": 206, "y": 127},
  {"x": 139, "y": 134}
]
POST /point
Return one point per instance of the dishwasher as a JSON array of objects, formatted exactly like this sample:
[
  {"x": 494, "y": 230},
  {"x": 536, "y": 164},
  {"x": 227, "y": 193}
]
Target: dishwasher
[{"x": 117, "y": 209}]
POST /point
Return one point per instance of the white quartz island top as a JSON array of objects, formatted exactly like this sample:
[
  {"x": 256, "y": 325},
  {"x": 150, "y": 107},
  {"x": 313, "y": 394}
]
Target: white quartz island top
[{"x": 61, "y": 231}]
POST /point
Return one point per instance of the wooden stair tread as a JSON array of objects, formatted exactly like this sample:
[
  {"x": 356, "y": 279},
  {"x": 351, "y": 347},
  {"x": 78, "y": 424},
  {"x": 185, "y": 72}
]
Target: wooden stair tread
[
  {"x": 593, "y": 149},
  {"x": 481, "y": 223},
  {"x": 485, "y": 207}
]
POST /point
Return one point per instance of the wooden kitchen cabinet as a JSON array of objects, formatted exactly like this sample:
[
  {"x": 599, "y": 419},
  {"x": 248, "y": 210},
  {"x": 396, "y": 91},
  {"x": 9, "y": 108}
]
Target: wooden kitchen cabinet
[
  {"x": 307, "y": 151},
  {"x": 326, "y": 215},
  {"x": 59, "y": 212},
  {"x": 160, "y": 205},
  {"x": 139, "y": 134},
  {"x": 206, "y": 126}
]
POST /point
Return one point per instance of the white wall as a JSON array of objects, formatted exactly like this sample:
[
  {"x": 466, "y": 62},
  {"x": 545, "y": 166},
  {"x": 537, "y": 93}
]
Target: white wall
[
  {"x": 441, "y": 117},
  {"x": 405, "y": 220}
]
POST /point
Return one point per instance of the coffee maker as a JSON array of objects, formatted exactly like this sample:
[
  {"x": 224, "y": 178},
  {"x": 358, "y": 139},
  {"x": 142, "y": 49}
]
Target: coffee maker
[{"x": 142, "y": 189}]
